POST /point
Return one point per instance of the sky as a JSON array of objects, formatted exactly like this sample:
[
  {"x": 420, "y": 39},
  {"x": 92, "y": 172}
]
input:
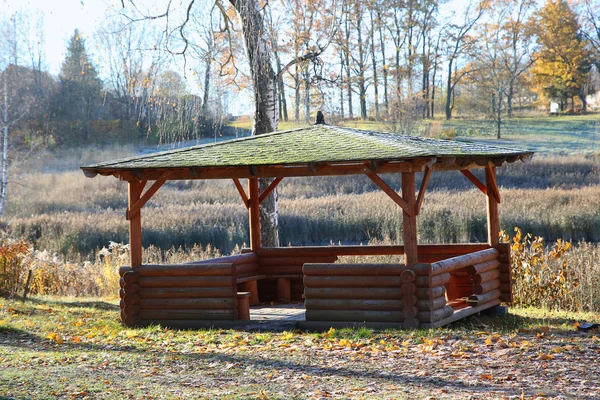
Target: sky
[{"x": 61, "y": 18}]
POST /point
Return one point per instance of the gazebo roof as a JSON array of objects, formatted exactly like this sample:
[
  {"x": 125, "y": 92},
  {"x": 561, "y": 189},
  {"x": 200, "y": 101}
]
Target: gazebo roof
[{"x": 317, "y": 145}]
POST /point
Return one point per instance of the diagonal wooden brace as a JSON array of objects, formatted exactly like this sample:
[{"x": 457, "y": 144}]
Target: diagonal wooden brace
[
  {"x": 474, "y": 179},
  {"x": 422, "y": 189},
  {"x": 242, "y": 192},
  {"x": 388, "y": 190},
  {"x": 137, "y": 206},
  {"x": 269, "y": 189}
]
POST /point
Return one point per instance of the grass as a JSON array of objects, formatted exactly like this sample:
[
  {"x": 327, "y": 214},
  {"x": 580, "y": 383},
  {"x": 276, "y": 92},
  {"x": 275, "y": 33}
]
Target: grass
[{"x": 75, "y": 348}]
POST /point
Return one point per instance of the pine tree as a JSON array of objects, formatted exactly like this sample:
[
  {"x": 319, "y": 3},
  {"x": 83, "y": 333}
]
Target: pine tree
[
  {"x": 562, "y": 63},
  {"x": 79, "y": 85}
]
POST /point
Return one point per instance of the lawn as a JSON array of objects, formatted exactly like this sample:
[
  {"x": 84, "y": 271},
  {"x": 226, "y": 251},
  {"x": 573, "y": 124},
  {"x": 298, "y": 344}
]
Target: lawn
[{"x": 76, "y": 348}]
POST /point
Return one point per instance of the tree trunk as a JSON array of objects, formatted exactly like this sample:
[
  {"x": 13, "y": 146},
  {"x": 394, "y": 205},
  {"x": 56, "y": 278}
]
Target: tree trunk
[
  {"x": 4, "y": 179},
  {"x": 385, "y": 77},
  {"x": 342, "y": 115},
  {"x": 265, "y": 102},
  {"x": 297, "y": 93},
  {"x": 307, "y": 95},
  {"x": 375, "y": 82},
  {"x": 361, "y": 74},
  {"x": 206, "y": 84},
  {"x": 509, "y": 97},
  {"x": 499, "y": 113},
  {"x": 449, "y": 90},
  {"x": 348, "y": 78}
]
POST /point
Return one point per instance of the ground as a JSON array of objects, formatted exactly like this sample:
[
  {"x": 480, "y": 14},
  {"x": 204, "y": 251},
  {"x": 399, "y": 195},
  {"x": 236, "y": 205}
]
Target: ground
[{"x": 75, "y": 348}]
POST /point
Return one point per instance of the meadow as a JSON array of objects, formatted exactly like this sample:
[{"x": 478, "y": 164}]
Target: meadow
[{"x": 71, "y": 220}]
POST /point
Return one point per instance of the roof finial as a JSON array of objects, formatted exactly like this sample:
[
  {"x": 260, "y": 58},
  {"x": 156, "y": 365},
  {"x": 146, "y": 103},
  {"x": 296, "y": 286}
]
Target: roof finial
[{"x": 320, "y": 119}]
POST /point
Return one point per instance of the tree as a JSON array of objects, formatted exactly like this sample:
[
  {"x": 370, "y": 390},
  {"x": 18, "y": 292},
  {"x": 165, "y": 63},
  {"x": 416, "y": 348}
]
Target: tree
[
  {"x": 459, "y": 42},
  {"x": 132, "y": 64},
  {"x": 563, "y": 63},
  {"x": 591, "y": 22},
  {"x": 79, "y": 85}
]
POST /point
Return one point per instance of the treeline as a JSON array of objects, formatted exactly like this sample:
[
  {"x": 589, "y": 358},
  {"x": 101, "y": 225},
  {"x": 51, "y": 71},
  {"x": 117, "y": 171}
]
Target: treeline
[
  {"x": 405, "y": 59},
  {"x": 139, "y": 97}
]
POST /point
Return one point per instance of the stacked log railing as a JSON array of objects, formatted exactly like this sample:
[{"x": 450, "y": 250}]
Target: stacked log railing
[
  {"x": 480, "y": 268},
  {"x": 476, "y": 273},
  {"x": 161, "y": 294},
  {"x": 360, "y": 293}
]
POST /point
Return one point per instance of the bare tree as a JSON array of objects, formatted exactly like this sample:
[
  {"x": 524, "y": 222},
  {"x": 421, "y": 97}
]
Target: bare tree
[
  {"x": 459, "y": 42},
  {"x": 263, "y": 78}
]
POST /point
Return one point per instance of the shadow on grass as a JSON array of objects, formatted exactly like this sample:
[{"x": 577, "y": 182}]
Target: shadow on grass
[
  {"x": 99, "y": 305},
  {"x": 397, "y": 375}
]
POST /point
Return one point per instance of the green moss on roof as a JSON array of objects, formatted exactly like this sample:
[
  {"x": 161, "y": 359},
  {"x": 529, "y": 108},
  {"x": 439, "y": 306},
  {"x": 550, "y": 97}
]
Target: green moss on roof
[{"x": 315, "y": 144}]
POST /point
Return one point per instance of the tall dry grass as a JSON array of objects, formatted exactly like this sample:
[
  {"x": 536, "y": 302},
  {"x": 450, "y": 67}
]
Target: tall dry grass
[
  {"x": 57, "y": 208},
  {"x": 71, "y": 220}
]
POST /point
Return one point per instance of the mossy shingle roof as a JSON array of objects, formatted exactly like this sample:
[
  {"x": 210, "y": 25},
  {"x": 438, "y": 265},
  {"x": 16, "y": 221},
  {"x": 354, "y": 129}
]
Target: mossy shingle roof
[{"x": 315, "y": 144}]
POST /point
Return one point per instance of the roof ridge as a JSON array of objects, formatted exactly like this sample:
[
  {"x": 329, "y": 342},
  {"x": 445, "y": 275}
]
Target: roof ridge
[{"x": 196, "y": 147}]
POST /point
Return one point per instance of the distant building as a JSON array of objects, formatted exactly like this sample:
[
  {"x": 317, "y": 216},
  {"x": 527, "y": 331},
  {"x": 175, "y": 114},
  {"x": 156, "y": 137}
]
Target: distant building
[
  {"x": 554, "y": 108},
  {"x": 593, "y": 101}
]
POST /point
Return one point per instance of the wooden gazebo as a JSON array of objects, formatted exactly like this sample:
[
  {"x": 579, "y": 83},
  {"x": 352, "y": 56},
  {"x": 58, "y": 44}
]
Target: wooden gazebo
[{"x": 434, "y": 286}]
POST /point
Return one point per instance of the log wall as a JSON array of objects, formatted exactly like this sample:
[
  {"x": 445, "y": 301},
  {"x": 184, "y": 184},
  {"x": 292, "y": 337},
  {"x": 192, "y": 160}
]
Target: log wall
[
  {"x": 163, "y": 293},
  {"x": 472, "y": 281},
  {"x": 360, "y": 293}
]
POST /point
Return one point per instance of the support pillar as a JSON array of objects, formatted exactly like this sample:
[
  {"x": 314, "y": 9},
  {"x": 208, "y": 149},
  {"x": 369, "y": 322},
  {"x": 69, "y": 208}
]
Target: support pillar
[
  {"x": 409, "y": 220},
  {"x": 134, "y": 192},
  {"x": 493, "y": 221},
  {"x": 254, "y": 214}
]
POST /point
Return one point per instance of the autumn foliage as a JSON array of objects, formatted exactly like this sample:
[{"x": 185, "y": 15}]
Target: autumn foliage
[{"x": 543, "y": 276}]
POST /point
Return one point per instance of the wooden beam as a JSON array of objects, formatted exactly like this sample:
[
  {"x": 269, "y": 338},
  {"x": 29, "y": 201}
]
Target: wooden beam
[
  {"x": 134, "y": 191},
  {"x": 338, "y": 169},
  {"x": 269, "y": 189},
  {"x": 254, "y": 214},
  {"x": 474, "y": 179},
  {"x": 494, "y": 183},
  {"x": 135, "y": 209},
  {"x": 409, "y": 220},
  {"x": 422, "y": 189},
  {"x": 389, "y": 191},
  {"x": 493, "y": 222},
  {"x": 242, "y": 192}
]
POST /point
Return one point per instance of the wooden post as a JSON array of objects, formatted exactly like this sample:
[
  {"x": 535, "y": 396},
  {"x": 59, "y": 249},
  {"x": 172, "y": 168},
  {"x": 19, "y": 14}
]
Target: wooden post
[
  {"x": 409, "y": 220},
  {"x": 254, "y": 212},
  {"x": 135, "y": 224},
  {"x": 493, "y": 223}
]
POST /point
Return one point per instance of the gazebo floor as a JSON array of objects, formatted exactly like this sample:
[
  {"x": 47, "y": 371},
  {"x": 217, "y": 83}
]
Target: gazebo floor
[{"x": 278, "y": 312}]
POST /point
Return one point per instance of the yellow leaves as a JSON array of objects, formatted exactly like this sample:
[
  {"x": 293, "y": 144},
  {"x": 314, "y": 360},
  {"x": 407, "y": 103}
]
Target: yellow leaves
[
  {"x": 545, "y": 357},
  {"x": 55, "y": 337},
  {"x": 345, "y": 343}
]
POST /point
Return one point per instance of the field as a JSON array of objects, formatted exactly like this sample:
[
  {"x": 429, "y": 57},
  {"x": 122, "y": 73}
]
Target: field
[{"x": 74, "y": 347}]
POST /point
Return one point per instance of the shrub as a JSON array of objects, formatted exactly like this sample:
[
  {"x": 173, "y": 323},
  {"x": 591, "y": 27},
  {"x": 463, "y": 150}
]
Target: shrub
[
  {"x": 543, "y": 276},
  {"x": 15, "y": 259}
]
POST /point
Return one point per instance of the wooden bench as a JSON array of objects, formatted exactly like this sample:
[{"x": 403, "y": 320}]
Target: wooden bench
[
  {"x": 284, "y": 288},
  {"x": 243, "y": 305},
  {"x": 248, "y": 282},
  {"x": 246, "y": 273}
]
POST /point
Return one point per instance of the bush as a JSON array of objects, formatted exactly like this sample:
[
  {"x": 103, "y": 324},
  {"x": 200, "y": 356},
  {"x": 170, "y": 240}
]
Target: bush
[
  {"x": 15, "y": 259},
  {"x": 542, "y": 276}
]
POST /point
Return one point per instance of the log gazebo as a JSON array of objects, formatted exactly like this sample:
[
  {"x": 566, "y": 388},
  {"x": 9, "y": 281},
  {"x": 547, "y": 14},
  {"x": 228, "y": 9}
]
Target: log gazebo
[{"x": 433, "y": 286}]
